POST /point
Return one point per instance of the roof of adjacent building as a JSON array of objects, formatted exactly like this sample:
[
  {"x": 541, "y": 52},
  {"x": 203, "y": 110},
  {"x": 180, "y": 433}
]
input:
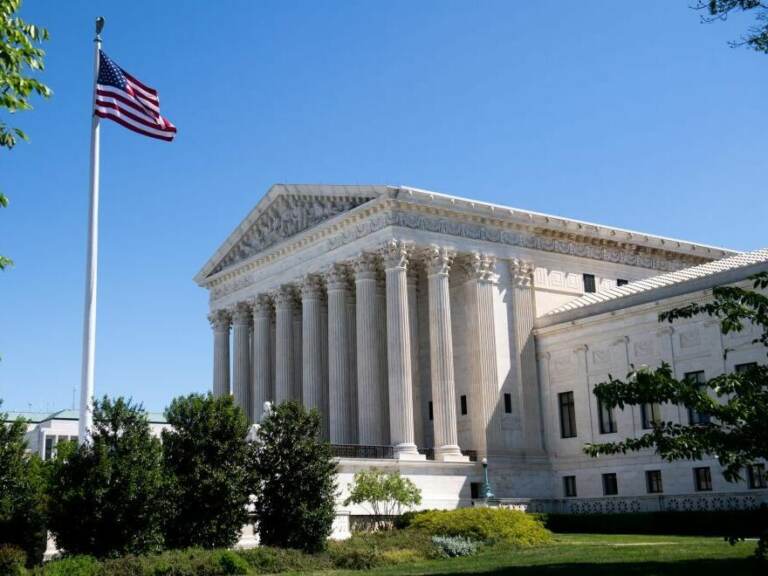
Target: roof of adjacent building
[
  {"x": 39, "y": 417},
  {"x": 703, "y": 276}
]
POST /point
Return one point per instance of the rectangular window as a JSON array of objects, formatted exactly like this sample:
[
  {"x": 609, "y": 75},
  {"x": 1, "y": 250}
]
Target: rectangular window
[
  {"x": 695, "y": 417},
  {"x": 569, "y": 486},
  {"x": 756, "y": 474},
  {"x": 607, "y": 420},
  {"x": 653, "y": 481},
  {"x": 702, "y": 479},
  {"x": 621, "y": 282},
  {"x": 589, "y": 283},
  {"x": 567, "y": 415},
  {"x": 49, "y": 443},
  {"x": 431, "y": 412},
  {"x": 739, "y": 368},
  {"x": 463, "y": 405},
  {"x": 650, "y": 414},
  {"x": 610, "y": 484},
  {"x": 508, "y": 403}
]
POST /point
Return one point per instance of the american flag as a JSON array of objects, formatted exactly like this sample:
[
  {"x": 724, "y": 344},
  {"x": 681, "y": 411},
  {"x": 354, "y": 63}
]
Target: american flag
[{"x": 122, "y": 98}]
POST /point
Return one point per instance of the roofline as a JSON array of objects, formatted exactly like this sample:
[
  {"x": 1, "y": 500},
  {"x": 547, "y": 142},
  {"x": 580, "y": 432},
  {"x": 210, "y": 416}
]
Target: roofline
[{"x": 710, "y": 281}]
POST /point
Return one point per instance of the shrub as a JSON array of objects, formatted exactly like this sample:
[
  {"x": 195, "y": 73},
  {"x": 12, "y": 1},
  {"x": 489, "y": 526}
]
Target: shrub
[
  {"x": 384, "y": 494},
  {"x": 357, "y": 558},
  {"x": 484, "y": 525},
  {"x": 205, "y": 458},
  {"x": 454, "y": 546},
  {"x": 381, "y": 548},
  {"x": 268, "y": 560},
  {"x": 12, "y": 560},
  {"x": 73, "y": 566},
  {"x": 293, "y": 480},
  {"x": 106, "y": 497}
]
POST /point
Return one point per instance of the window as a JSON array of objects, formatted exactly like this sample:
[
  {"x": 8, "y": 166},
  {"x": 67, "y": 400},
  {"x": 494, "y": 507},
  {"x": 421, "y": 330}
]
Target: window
[
  {"x": 756, "y": 476},
  {"x": 739, "y": 368},
  {"x": 621, "y": 282},
  {"x": 463, "y": 405},
  {"x": 653, "y": 481},
  {"x": 695, "y": 417},
  {"x": 569, "y": 486},
  {"x": 589, "y": 283},
  {"x": 607, "y": 421},
  {"x": 567, "y": 415},
  {"x": 475, "y": 490},
  {"x": 508, "y": 403},
  {"x": 610, "y": 484},
  {"x": 49, "y": 444},
  {"x": 431, "y": 412},
  {"x": 650, "y": 414},
  {"x": 702, "y": 479}
]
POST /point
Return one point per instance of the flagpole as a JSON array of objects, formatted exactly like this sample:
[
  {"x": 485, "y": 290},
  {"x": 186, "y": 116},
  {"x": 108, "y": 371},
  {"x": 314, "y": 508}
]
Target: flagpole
[{"x": 89, "y": 321}]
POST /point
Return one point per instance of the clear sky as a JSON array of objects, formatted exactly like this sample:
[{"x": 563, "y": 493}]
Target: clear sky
[{"x": 625, "y": 113}]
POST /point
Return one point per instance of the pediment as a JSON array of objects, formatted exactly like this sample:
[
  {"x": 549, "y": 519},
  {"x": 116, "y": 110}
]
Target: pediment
[{"x": 286, "y": 210}]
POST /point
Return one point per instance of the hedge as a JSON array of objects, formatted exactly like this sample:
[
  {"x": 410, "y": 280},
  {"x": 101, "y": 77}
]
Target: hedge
[{"x": 743, "y": 523}]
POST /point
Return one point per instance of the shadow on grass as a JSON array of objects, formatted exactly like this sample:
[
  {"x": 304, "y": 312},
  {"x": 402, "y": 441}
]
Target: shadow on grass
[{"x": 709, "y": 567}]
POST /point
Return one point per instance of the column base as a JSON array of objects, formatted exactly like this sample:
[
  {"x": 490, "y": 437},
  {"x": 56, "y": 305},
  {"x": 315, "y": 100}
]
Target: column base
[
  {"x": 450, "y": 454},
  {"x": 408, "y": 452}
]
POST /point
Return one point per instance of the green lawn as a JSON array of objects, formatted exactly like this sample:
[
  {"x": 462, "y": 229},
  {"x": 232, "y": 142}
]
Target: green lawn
[{"x": 603, "y": 555}]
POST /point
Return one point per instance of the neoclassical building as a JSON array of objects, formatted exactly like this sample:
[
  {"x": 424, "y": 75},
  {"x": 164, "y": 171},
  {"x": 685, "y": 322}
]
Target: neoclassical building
[{"x": 431, "y": 331}]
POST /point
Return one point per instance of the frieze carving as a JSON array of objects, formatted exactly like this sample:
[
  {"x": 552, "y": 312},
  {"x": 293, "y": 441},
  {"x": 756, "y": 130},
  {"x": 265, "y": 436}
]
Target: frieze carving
[{"x": 287, "y": 216}]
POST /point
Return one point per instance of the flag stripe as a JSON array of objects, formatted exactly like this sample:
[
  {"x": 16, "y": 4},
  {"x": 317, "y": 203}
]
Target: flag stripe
[
  {"x": 107, "y": 113},
  {"x": 136, "y": 118},
  {"x": 114, "y": 96},
  {"x": 136, "y": 81}
]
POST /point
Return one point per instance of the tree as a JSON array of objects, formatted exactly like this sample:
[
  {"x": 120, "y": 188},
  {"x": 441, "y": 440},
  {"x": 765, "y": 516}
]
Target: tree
[
  {"x": 757, "y": 36},
  {"x": 205, "y": 456},
  {"x": 19, "y": 55},
  {"x": 293, "y": 480},
  {"x": 22, "y": 492},
  {"x": 736, "y": 429},
  {"x": 385, "y": 494},
  {"x": 106, "y": 496}
]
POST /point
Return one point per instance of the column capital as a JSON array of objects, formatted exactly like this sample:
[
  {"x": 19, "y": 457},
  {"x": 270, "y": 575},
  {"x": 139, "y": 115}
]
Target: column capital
[
  {"x": 365, "y": 266},
  {"x": 220, "y": 320},
  {"x": 285, "y": 297},
  {"x": 337, "y": 277},
  {"x": 241, "y": 314},
  {"x": 311, "y": 287},
  {"x": 480, "y": 267},
  {"x": 262, "y": 306},
  {"x": 396, "y": 254},
  {"x": 438, "y": 260},
  {"x": 522, "y": 272}
]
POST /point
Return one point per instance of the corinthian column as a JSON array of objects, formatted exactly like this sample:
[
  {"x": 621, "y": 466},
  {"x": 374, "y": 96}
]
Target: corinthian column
[
  {"x": 220, "y": 321},
  {"x": 262, "y": 359},
  {"x": 481, "y": 336},
  {"x": 413, "y": 324},
  {"x": 339, "y": 380},
  {"x": 524, "y": 313},
  {"x": 285, "y": 299},
  {"x": 241, "y": 382},
  {"x": 441, "y": 356},
  {"x": 399, "y": 353},
  {"x": 312, "y": 342},
  {"x": 369, "y": 409}
]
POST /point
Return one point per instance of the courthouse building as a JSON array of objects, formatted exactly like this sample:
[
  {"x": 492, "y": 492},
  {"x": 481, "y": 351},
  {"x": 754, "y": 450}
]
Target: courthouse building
[{"x": 433, "y": 331}]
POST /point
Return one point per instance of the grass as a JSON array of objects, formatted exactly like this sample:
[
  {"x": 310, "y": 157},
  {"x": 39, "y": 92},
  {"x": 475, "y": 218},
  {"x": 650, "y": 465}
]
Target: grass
[{"x": 600, "y": 555}]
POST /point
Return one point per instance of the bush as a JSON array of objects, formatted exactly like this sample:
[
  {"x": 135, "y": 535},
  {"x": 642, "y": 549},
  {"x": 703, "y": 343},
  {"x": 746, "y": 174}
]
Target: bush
[
  {"x": 367, "y": 550},
  {"x": 384, "y": 494},
  {"x": 454, "y": 546},
  {"x": 293, "y": 480},
  {"x": 357, "y": 559},
  {"x": 106, "y": 497},
  {"x": 72, "y": 566},
  {"x": 268, "y": 560},
  {"x": 484, "y": 525},
  {"x": 205, "y": 458},
  {"x": 12, "y": 560}
]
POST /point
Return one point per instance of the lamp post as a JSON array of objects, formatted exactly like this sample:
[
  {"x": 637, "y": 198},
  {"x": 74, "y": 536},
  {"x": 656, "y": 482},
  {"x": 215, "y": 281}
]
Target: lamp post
[{"x": 487, "y": 493}]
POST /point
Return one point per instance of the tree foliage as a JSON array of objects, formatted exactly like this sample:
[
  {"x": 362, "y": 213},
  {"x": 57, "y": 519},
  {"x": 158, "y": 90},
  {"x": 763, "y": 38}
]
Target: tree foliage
[
  {"x": 205, "y": 455},
  {"x": 386, "y": 495},
  {"x": 106, "y": 496},
  {"x": 20, "y": 56},
  {"x": 757, "y": 36},
  {"x": 737, "y": 403},
  {"x": 22, "y": 492},
  {"x": 293, "y": 480}
]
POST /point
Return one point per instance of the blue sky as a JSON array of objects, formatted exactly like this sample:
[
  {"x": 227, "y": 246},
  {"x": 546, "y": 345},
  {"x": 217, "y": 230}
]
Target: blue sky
[{"x": 631, "y": 114}]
